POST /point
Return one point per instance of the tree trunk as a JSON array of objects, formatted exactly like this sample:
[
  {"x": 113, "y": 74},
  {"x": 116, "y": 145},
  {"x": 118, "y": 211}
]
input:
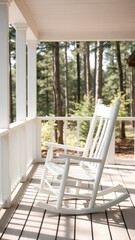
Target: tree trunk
[
  {"x": 120, "y": 74},
  {"x": 58, "y": 92},
  {"x": 78, "y": 72},
  {"x": 125, "y": 77},
  {"x": 99, "y": 71},
  {"x": 11, "y": 102},
  {"x": 54, "y": 99},
  {"x": 133, "y": 94},
  {"x": 84, "y": 60},
  {"x": 94, "y": 78},
  {"x": 66, "y": 82},
  {"x": 88, "y": 77},
  {"x": 47, "y": 96}
]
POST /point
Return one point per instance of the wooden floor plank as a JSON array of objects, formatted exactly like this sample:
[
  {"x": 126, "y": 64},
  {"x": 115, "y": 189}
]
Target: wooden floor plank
[
  {"x": 66, "y": 227},
  {"x": 18, "y": 219},
  {"x": 6, "y": 214},
  {"x": 26, "y": 221},
  {"x": 33, "y": 223},
  {"x": 83, "y": 228},
  {"x": 127, "y": 207},
  {"x": 49, "y": 227},
  {"x": 116, "y": 224},
  {"x": 99, "y": 221},
  {"x": 14, "y": 226}
]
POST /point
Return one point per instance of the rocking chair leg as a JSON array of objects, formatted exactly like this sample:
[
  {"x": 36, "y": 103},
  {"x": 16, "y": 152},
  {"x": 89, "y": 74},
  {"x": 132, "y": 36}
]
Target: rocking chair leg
[
  {"x": 43, "y": 177},
  {"x": 48, "y": 158},
  {"x": 63, "y": 184},
  {"x": 78, "y": 184}
]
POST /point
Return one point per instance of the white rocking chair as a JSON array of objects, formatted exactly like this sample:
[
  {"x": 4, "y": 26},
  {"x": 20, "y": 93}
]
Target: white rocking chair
[{"x": 88, "y": 171}]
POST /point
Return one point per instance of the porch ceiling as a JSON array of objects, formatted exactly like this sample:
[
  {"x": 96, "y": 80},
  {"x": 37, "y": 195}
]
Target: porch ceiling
[{"x": 65, "y": 20}]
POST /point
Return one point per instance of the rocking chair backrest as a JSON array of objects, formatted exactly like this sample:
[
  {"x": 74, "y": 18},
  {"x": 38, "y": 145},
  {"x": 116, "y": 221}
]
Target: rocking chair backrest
[{"x": 100, "y": 132}]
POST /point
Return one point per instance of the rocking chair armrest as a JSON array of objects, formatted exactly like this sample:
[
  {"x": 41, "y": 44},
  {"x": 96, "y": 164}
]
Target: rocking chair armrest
[
  {"x": 68, "y": 147},
  {"x": 80, "y": 158}
]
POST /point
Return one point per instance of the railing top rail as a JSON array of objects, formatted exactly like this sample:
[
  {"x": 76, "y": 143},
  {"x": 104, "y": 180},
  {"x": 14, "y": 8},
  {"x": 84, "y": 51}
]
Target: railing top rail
[
  {"x": 3, "y": 132},
  {"x": 82, "y": 118},
  {"x": 126, "y": 118},
  {"x": 65, "y": 118},
  {"x": 15, "y": 125}
]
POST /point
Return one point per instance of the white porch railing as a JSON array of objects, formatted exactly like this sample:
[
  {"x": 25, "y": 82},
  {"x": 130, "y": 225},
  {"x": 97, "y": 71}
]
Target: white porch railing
[
  {"x": 17, "y": 152},
  {"x": 111, "y": 154},
  {"x": 20, "y": 145}
]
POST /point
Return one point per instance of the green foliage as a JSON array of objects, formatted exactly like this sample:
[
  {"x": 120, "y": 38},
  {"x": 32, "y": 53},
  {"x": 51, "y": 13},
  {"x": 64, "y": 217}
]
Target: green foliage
[
  {"x": 110, "y": 84},
  {"x": 45, "y": 132},
  {"x": 123, "y": 110},
  {"x": 12, "y": 73},
  {"x": 45, "y": 79},
  {"x": 84, "y": 109},
  {"x": 45, "y": 97},
  {"x": 110, "y": 74}
]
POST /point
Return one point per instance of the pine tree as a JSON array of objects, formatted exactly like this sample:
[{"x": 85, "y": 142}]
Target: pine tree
[
  {"x": 120, "y": 77},
  {"x": 88, "y": 76},
  {"x": 66, "y": 83},
  {"x": 99, "y": 71},
  {"x": 58, "y": 91}
]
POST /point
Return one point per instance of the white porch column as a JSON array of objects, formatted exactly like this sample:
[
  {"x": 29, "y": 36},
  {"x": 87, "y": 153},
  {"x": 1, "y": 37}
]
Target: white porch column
[
  {"x": 4, "y": 103},
  {"x": 21, "y": 71},
  {"x": 32, "y": 90},
  {"x": 4, "y": 64},
  {"x": 32, "y": 78}
]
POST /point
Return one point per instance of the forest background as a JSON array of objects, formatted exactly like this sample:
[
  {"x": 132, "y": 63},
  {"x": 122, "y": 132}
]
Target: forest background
[{"x": 71, "y": 76}]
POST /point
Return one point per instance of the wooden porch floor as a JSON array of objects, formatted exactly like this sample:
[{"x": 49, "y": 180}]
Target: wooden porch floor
[{"x": 25, "y": 221}]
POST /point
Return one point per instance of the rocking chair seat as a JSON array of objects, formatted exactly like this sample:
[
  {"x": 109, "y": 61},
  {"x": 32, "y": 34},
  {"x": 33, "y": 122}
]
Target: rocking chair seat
[{"x": 75, "y": 172}]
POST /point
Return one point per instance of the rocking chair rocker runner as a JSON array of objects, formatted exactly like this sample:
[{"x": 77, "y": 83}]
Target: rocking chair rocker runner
[{"x": 87, "y": 175}]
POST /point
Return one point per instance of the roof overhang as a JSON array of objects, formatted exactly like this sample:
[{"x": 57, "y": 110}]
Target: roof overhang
[{"x": 72, "y": 20}]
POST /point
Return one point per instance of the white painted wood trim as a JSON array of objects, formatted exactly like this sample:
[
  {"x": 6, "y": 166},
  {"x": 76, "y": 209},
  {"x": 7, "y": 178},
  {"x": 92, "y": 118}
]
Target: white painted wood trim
[
  {"x": 6, "y": 171},
  {"x": 23, "y": 153},
  {"x": 83, "y": 118},
  {"x": 51, "y": 130},
  {"x": 21, "y": 72},
  {"x": 4, "y": 65},
  {"x": 87, "y": 36},
  {"x": 65, "y": 135},
  {"x": 38, "y": 141},
  {"x": 22, "y": 7}
]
